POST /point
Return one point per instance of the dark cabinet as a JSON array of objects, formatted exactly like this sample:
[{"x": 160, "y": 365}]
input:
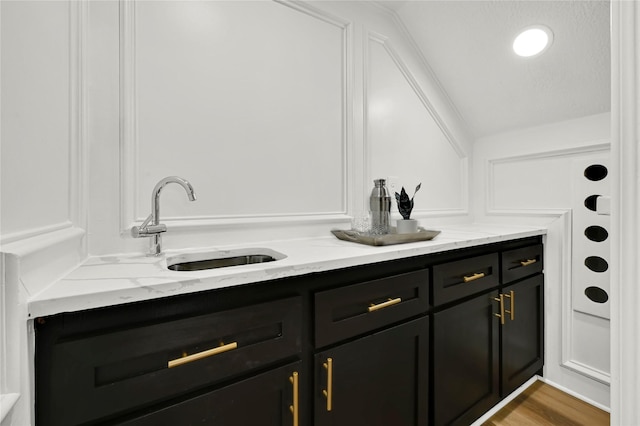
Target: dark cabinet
[
  {"x": 521, "y": 262},
  {"x": 466, "y": 357},
  {"x": 379, "y": 380},
  {"x": 522, "y": 333},
  {"x": 83, "y": 377},
  {"x": 486, "y": 346},
  {"x": 434, "y": 339},
  {"x": 348, "y": 311},
  {"x": 455, "y": 280},
  {"x": 267, "y": 399}
]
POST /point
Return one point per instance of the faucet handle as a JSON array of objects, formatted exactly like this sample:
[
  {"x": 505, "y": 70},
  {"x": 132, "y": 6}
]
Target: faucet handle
[{"x": 148, "y": 231}]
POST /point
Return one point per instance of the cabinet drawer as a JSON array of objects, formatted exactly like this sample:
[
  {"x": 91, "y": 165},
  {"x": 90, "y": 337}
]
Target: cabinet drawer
[
  {"x": 102, "y": 375},
  {"x": 348, "y": 311},
  {"x": 520, "y": 263},
  {"x": 455, "y": 280}
]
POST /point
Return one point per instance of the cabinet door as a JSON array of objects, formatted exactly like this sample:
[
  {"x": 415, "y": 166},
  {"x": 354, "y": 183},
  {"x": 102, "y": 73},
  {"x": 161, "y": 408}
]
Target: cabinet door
[
  {"x": 262, "y": 400},
  {"x": 376, "y": 380},
  {"x": 522, "y": 337},
  {"x": 466, "y": 360}
]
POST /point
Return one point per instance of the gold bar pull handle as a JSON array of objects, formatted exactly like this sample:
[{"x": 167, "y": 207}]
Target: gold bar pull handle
[
  {"x": 390, "y": 302},
  {"x": 204, "y": 354},
  {"x": 328, "y": 393},
  {"x": 473, "y": 277},
  {"x": 295, "y": 408},
  {"x": 512, "y": 305},
  {"x": 501, "y": 314},
  {"x": 528, "y": 262}
]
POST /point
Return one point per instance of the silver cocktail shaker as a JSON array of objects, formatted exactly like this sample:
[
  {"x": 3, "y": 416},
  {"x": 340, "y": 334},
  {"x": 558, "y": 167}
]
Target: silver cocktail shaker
[{"x": 380, "y": 206}]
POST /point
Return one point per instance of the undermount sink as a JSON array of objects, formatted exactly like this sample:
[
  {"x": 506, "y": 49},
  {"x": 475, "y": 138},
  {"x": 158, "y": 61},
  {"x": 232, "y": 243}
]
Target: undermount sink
[{"x": 221, "y": 259}]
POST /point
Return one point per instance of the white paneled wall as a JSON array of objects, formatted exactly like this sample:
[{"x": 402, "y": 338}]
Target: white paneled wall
[
  {"x": 537, "y": 175},
  {"x": 35, "y": 119},
  {"x": 246, "y": 100},
  {"x": 271, "y": 109},
  {"x": 584, "y": 190},
  {"x": 274, "y": 111},
  {"x": 406, "y": 138},
  {"x": 589, "y": 349},
  {"x": 41, "y": 213}
]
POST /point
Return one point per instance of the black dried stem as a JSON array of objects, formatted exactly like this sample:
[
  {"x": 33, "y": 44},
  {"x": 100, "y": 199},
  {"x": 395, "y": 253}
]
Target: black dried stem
[{"x": 405, "y": 204}]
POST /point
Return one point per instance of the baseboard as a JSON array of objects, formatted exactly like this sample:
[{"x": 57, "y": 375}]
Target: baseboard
[
  {"x": 575, "y": 394},
  {"x": 499, "y": 406}
]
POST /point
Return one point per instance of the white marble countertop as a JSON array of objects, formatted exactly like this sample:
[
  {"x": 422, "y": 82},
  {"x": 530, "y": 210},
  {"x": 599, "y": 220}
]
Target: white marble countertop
[{"x": 111, "y": 280}]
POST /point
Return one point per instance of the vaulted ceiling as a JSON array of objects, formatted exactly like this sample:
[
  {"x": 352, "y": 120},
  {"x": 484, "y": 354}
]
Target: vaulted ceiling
[{"x": 468, "y": 46}]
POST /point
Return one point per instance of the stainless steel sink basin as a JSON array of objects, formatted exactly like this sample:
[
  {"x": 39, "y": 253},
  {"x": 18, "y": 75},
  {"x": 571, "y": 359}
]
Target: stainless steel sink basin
[{"x": 221, "y": 259}]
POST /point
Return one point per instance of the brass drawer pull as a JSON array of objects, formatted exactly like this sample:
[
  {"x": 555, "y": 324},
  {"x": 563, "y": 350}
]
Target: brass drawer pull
[
  {"x": 295, "y": 408},
  {"x": 512, "y": 307},
  {"x": 204, "y": 354},
  {"x": 501, "y": 314},
  {"x": 328, "y": 393},
  {"x": 528, "y": 262},
  {"x": 388, "y": 303},
  {"x": 473, "y": 277}
]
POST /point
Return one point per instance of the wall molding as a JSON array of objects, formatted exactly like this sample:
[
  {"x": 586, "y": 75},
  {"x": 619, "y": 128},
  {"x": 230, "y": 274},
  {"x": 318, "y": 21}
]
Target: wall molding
[
  {"x": 625, "y": 245},
  {"x": 490, "y": 165},
  {"x": 34, "y": 232},
  {"x": 457, "y": 147},
  {"x": 79, "y": 114},
  {"x": 566, "y": 353},
  {"x": 583, "y": 247},
  {"x": 408, "y": 76},
  {"x": 316, "y": 13},
  {"x": 566, "y": 218},
  {"x": 574, "y": 393},
  {"x": 348, "y": 140},
  {"x": 129, "y": 154},
  {"x": 128, "y": 122},
  {"x": 399, "y": 23},
  {"x": 77, "y": 209},
  {"x": 586, "y": 370},
  {"x": 567, "y": 310}
]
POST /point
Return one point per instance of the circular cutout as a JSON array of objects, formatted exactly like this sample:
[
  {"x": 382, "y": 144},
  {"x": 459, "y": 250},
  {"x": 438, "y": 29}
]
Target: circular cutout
[
  {"x": 596, "y": 172},
  {"x": 596, "y": 294},
  {"x": 596, "y": 233},
  {"x": 596, "y": 264},
  {"x": 590, "y": 202}
]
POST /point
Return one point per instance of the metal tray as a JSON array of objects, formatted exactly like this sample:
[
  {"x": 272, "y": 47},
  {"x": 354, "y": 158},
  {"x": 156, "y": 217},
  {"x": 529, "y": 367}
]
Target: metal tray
[{"x": 386, "y": 239}]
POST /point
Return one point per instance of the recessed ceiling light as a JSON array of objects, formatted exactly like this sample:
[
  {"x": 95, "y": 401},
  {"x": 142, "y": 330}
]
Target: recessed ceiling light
[{"x": 532, "y": 41}]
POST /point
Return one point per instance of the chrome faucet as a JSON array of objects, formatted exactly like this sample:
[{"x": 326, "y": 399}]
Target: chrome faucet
[{"x": 151, "y": 227}]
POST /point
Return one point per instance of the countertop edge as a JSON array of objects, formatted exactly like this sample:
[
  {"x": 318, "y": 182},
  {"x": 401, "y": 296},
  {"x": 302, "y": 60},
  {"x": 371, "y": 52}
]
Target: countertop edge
[{"x": 86, "y": 287}]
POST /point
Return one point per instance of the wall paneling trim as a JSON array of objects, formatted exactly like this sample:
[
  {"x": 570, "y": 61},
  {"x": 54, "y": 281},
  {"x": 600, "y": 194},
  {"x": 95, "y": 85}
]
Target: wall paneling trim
[
  {"x": 516, "y": 197},
  {"x": 530, "y": 176},
  {"x": 52, "y": 177},
  {"x": 625, "y": 244},
  {"x": 286, "y": 162},
  {"x": 404, "y": 134}
]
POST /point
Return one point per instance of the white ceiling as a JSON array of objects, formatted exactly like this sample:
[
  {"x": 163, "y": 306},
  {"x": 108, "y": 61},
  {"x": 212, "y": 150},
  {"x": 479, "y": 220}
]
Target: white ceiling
[{"x": 468, "y": 46}]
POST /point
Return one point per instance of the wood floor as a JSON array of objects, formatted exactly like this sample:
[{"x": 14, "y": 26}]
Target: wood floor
[{"x": 542, "y": 404}]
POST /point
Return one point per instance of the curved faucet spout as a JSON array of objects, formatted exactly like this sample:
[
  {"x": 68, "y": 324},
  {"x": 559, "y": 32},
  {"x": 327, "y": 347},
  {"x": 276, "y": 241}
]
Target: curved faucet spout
[
  {"x": 155, "y": 195},
  {"x": 152, "y": 227}
]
